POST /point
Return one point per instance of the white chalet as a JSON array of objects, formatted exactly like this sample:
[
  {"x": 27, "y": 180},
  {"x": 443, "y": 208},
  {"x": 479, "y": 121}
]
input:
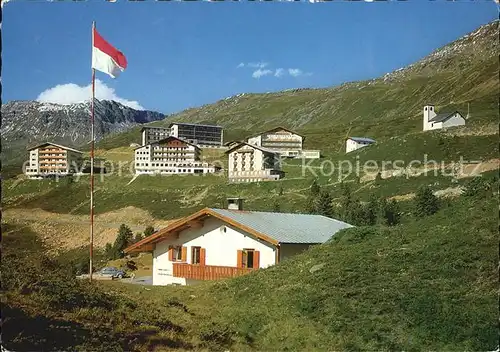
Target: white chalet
[
  {"x": 169, "y": 156},
  {"x": 213, "y": 243},
  {"x": 252, "y": 163},
  {"x": 353, "y": 143},
  {"x": 433, "y": 121}
]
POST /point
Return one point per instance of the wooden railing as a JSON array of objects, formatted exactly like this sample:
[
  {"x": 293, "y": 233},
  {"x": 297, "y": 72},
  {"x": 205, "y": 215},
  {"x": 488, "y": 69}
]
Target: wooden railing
[
  {"x": 48, "y": 156},
  {"x": 207, "y": 272}
]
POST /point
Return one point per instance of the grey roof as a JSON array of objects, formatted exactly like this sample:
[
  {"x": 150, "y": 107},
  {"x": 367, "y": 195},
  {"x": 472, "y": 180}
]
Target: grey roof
[
  {"x": 362, "y": 139},
  {"x": 443, "y": 116},
  {"x": 167, "y": 138},
  {"x": 253, "y": 146},
  {"x": 287, "y": 228}
]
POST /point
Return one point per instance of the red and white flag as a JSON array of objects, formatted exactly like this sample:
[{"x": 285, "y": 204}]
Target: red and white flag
[{"x": 106, "y": 58}]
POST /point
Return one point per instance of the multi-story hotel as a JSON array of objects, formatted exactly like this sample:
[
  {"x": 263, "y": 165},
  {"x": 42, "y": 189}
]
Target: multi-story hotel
[
  {"x": 201, "y": 135},
  {"x": 50, "y": 159},
  {"x": 252, "y": 163},
  {"x": 169, "y": 156},
  {"x": 154, "y": 134},
  {"x": 285, "y": 142}
]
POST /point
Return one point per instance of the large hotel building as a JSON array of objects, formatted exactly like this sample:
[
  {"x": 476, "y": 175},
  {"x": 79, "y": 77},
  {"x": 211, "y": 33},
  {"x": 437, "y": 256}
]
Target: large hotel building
[
  {"x": 285, "y": 142},
  {"x": 251, "y": 163},
  {"x": 169, "y": 156},
  {"x": 200, "y": 135},
  {"x": 50, "y": 159}
]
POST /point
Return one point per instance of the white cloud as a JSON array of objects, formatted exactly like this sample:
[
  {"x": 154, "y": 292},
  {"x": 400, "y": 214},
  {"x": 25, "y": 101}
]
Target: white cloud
[
  {"x": 257, "y": 64},
  {"x": 253, "y": 64},
  {"x": 71, "y": 93},
  {"x": 279, "y": 72},
  {"x": 296, "y": 72},
  {"x": 259, "y": 73},
  {"x": 262, "y": 69}
]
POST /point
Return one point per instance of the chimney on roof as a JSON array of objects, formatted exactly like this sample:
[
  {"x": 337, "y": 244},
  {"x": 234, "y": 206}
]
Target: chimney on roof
[{"x": 235, "y": 203}]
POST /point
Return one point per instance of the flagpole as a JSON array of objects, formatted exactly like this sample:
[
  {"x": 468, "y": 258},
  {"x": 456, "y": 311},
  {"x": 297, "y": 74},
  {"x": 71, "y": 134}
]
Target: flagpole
[{"x": 91, "y": 254}]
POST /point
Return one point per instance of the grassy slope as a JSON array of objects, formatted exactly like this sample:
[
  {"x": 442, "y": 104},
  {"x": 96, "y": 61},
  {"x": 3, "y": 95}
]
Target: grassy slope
[
  {"x": 173, "y": 196},
  {"x": 423, "y": 285}
]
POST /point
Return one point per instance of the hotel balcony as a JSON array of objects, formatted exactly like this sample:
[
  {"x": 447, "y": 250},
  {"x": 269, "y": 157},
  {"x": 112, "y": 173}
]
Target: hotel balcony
[
  {"x": 49, "y": 156},
  {"x": 50, "y": 151}
]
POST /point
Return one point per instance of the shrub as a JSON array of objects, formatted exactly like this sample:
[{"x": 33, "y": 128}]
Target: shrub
[
  {"x": 426, "y": 203},
  {"x": 149, "y": 231},
  {"x": 475, "y": 186},
  {"x": 123, "y": 240},
  {"x": 389, "y": 212},
  {"x": 324, "y": 204},
  {"x": 138, "y": 237}
]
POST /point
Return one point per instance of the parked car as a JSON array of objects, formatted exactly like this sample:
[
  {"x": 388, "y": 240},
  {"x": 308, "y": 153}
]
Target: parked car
[{"x": 111, "y": 271}]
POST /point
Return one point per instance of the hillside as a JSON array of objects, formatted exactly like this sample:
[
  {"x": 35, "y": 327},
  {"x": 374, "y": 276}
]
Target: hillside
[
  {"x": 428, "y": 284},
  {"x": 462, "y": 72}
]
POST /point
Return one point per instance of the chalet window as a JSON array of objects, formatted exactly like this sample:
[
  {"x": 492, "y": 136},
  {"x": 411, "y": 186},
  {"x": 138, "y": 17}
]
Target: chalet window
[
  {"x": 177, "y": 253},
  {"x": 248, "y": 258},
  {"x": 195, "y": 255}
]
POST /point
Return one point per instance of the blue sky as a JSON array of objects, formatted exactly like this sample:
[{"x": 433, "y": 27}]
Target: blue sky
[{"x": 186, "y": 54}]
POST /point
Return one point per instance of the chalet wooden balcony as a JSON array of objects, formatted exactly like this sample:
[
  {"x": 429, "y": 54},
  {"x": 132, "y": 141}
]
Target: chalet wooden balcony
[{"x": 207, "y": 272}]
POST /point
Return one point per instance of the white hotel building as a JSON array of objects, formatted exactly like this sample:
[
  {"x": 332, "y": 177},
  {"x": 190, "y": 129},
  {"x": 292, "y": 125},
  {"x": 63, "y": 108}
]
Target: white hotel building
[
  {"x": 204, "y": 136},
  {"x": 251, "y": 163},
  {"x": 170, "y": 156},
  {"x": 285, "y": 142},
  {"x": 50, "y": 159}
]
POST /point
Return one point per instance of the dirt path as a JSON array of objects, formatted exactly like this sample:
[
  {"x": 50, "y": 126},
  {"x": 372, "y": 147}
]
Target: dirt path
[
  {"x": 66, "y": 231},
  {"x": 459, "y": 170},
  {"x": 442, "y": 193}
]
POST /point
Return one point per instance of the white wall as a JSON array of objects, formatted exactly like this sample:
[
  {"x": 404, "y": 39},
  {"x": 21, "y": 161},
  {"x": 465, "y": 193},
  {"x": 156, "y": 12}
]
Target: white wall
[
  {"x": 259, "y": 171},
  {"x": 310, "y": 154},
  {"x": 266, "y": 140},
  {"x": 258, "y": 159},
  {"x": 220, "y": 248},
  {"x": 351, "y": 145},
  {"x": 174, "y": 131},
  {"x": 33, "y": 166},
  {"x": 257, "y": 140},
  {"x": 428, "y": 113},
  {"x": 455, "y": 120}
]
